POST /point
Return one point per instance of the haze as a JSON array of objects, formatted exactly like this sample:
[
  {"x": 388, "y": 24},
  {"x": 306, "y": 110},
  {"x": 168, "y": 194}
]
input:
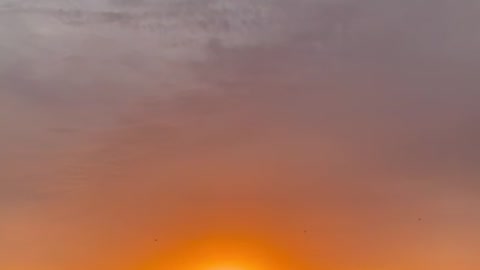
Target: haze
[{"x": 344, "y": 132}]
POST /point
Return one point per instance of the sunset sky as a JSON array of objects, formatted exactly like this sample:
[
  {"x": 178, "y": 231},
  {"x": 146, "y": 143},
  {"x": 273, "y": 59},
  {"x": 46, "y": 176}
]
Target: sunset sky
[{"x": 239, "y": 135}]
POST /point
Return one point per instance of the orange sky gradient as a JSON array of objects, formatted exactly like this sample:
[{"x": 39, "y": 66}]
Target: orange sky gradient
[{"x": 261, "y": 135}]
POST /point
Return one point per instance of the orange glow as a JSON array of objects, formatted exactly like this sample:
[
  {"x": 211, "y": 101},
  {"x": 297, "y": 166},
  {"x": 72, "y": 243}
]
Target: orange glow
[
  {"x": 223, "y": 252},
  {"x": 231, "y": 265}
]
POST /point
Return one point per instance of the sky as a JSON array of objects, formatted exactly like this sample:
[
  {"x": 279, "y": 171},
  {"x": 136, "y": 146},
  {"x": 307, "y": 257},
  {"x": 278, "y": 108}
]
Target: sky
[{"x": 312, "y": 134}]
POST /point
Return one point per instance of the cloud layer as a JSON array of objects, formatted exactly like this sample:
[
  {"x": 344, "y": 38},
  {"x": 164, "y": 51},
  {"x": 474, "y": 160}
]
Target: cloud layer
[{"x": 354, "y": 120}]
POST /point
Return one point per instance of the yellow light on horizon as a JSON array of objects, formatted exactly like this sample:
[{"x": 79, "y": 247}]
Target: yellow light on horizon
[
  {"x": 235, "y": 261},
  {"x": 229, "y": 267},
  {"x": 225, "y": 251},
  {"x": 232, "y": 263}
]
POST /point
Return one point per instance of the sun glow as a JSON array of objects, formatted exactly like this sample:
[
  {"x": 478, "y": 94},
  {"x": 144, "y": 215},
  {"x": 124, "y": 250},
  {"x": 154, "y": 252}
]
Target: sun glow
[
  {"x": 230, "y": 267},
  {"x": 239, "y": 261},
  {"x": 226, "y": 267},
  {"x": 224, "y": 251}
]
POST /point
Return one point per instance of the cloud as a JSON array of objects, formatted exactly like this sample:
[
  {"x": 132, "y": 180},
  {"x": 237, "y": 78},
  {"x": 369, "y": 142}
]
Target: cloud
[{"x": 348, "y": 118}]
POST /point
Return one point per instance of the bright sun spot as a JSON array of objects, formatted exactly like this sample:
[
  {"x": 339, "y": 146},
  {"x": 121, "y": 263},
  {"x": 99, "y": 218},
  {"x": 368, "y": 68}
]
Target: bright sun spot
[
  {"x": 227, "y": 267},
  {"x": 231, "y": 266}
]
